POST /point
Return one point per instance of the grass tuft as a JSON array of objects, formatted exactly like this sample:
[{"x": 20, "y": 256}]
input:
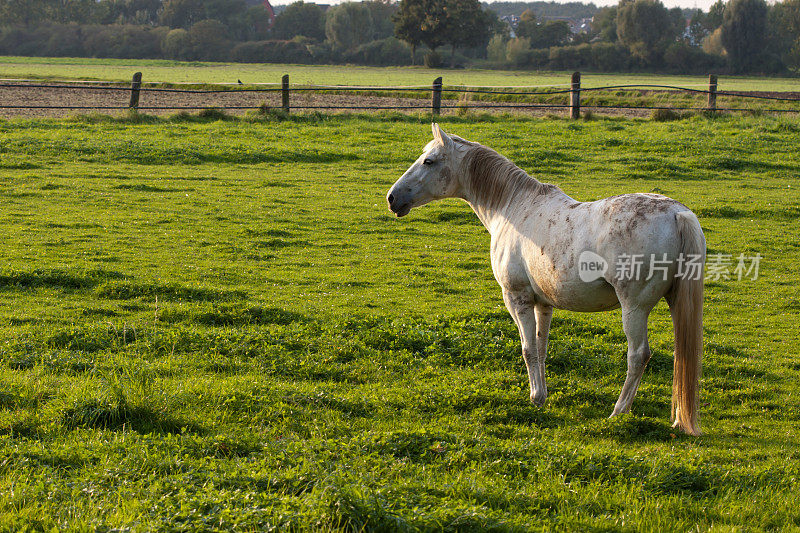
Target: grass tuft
[
  {"x": 118, "y": 415},
  {"x": 213, "y": 113},
  {"x": 666, "y": 115}
]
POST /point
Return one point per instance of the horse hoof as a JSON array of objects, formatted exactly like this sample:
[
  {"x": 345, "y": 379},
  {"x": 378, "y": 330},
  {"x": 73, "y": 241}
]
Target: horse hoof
[{"x": 538, "y": 399}]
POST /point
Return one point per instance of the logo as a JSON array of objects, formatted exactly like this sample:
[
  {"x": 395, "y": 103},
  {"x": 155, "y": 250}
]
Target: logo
[{"x": 591, "y": 266}]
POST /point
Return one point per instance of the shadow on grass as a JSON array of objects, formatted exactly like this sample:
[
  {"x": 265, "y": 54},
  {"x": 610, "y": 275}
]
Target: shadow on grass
[
  {"x": 726, "y": 211},
  {"x": 184, "y": 155},
  {"x": 237, "y": 316},
  {"x": 277, "y": 244},
  {"x": 172, "y": 292},
  {"x": 727, "y": 162},
  {"x": 142, "y": 187},
  {"x": 631, "y": 428},
  {"x": 233, "y": 315},
  {"x": 19, "y": 166},
  {"x": 56, "y": 279},
  {"x": 464, "y": 216}
]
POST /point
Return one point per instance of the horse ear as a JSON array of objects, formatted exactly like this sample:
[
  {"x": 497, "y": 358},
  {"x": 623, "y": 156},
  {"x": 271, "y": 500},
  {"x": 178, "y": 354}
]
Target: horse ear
[
  {"x": 441, "y": 136},
  {"x": 436, "y": 131}
]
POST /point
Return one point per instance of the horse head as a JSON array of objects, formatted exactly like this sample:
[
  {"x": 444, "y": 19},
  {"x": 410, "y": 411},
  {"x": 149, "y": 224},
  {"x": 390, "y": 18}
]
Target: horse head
[{"x": 432, "y": 176}]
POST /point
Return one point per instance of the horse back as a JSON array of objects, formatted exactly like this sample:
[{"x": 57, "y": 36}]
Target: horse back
[{"x": 547, "y": 242}]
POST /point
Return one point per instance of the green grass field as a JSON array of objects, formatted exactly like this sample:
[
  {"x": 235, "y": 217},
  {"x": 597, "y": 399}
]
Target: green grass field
[
  {"x": 198, "y": 72},
  {"x": 217, "y": 325}
]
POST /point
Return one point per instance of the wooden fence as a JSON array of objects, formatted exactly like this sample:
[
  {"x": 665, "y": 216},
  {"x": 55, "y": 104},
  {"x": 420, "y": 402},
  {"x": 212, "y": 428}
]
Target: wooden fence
[{"x": 572, "y": 91}]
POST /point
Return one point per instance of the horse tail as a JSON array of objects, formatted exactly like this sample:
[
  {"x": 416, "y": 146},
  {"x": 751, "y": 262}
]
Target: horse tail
[{"x": 686, "y": 307}]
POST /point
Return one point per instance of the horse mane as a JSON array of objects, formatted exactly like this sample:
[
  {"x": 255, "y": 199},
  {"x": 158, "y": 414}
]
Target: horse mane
[{"x": 494, "y": 181}]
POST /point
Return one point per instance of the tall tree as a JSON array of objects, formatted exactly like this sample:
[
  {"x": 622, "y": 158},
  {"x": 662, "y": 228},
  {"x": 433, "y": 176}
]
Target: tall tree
[
  {"x": 434, "y": 23},
  {"x": 348, "y": 25},
  {"x": 73, "y": 10},
  {"x": 186, "y": 13},
  {"x": 300, "y": 18},
  {"x": 26, "y": 12},
  {"x": 438, "y": 22},
  {"x": 408, "y": 24},
  {"x": 678, "y": 20},
  {"x": 604, "y": 24},
  {"x": 141, "y": 12},
  {"x": 551, "y": 33},
  {"x": 382, "y": 13},
  {"x": 209, "y": 40},
  {"x": 646, "y": 28},
  {"x": 527, "y": 25},
  {"x": 744, "y": 33},
  {"x": 252, "y": 24},
  {"x": 783, "y": 22},
  {"x": 467, "y": 25},
  {"x": 226, "y": 11},
  {"x": 716, "y": 13},
  {"x": 182, "y": 13},
  {"x": 422, "y": 20},
  {"x": 703, "y": 24}
]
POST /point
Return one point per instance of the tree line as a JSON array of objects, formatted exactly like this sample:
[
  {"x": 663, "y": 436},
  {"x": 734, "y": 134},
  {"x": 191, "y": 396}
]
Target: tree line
[{"x": 737, "y": 36}]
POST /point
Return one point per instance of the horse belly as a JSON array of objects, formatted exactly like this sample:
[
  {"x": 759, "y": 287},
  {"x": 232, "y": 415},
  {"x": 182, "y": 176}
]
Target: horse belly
[{"x": 577, "y": 295}]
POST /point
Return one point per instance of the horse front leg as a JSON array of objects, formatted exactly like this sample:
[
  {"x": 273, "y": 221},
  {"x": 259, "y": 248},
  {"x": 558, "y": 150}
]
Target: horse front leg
[
  {"x": 521, "y": 307},
  {"x": 544, "y": 314}
]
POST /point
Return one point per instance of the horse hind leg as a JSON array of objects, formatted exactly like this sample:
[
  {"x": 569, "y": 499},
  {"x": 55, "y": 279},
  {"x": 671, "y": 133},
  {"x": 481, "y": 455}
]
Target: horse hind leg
[{"x": 634, "y": 323}]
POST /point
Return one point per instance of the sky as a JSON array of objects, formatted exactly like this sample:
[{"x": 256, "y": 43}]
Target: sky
[{"x": 701, "y": 4}]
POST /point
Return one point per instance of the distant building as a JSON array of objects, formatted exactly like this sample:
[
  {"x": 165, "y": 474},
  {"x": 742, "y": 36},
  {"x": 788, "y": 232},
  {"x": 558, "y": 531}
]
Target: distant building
[
  {"x": 513, "y": 22},
  {"x": 583, "y": 25}
]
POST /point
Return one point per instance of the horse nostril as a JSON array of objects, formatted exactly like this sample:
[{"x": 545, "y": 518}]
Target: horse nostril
[{"x": 391, "y": 198}]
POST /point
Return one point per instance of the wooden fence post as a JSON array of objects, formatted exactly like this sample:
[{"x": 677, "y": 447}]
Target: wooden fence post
[
  {"x": 136, "y": 84},
  {"x": 436, "y": 96},
  {"x": 712, "y": 93},
  {"x": 575, "y": 96},
  {"x": 285, "y": 92}
]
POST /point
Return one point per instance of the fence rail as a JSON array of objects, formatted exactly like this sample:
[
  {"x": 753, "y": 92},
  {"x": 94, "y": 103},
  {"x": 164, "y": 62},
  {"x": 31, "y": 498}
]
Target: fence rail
[{"x": 573, "y": 90}]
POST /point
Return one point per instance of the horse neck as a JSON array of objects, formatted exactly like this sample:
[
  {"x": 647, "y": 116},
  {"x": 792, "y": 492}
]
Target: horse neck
[{"x": 496, "y": 188}]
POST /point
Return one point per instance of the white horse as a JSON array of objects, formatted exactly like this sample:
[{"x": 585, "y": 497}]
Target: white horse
[{"x": 550, "y": 251}]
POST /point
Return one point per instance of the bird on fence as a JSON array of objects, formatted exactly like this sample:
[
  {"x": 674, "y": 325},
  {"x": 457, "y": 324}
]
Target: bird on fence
[{"x": 240, "y": 82}]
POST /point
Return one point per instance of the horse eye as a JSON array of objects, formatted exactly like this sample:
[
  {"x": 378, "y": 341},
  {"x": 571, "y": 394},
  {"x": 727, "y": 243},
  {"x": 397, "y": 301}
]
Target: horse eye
[{"x": 428, "y": 162}]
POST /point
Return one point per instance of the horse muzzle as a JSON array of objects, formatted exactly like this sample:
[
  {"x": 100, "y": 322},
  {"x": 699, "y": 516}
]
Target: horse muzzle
[{"x": 399, "y": 208}]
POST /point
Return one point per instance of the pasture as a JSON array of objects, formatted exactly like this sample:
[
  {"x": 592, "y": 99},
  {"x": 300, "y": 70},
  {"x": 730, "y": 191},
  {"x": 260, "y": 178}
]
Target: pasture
[
  {"x": 190, "y": 72},
  {"x": 218, "y": 325}
]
